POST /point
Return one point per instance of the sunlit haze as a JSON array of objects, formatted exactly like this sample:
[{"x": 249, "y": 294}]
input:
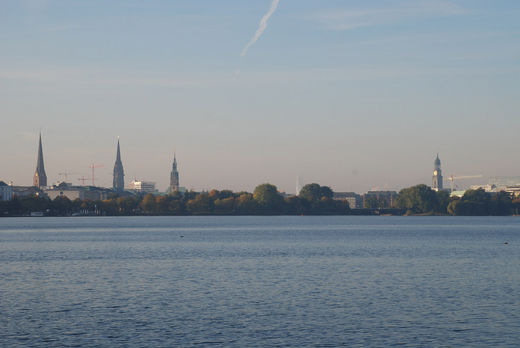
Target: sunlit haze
[{"x": 354, "y": 94}]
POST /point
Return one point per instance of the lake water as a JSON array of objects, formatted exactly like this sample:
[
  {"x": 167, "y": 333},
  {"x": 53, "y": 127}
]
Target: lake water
[{"x": 260, "y": 281}]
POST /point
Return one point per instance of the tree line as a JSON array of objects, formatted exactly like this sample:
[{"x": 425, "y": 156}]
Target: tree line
[
  {"x": 265, "y": 200},
  {"x": 313, "y": 199},
  {"x": 421, "y": 199}
]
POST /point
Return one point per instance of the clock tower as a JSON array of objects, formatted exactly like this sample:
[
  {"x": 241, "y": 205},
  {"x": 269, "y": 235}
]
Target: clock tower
[{"x": 437, "y": 175}]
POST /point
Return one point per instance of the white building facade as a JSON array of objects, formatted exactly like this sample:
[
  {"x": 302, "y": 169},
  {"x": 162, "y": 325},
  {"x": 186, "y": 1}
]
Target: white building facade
[{"x": 142, "y": 186}]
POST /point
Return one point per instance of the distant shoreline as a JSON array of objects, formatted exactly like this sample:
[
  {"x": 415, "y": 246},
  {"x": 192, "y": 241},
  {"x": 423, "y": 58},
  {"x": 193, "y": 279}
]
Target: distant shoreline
[
  {"x": 263, "y": 215},
  {"x": 266, "y": 200}
]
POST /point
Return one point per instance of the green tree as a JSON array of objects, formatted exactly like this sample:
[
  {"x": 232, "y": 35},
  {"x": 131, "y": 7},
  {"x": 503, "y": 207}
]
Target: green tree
[
  {"x": 162, "y": 205},
  {"x": 175, "y": 195},
  {"x": 268, "y": 198},
  {"x": 109, "y": 207},
  {"x": 418, "y": 199},
  {"x": 314, "y": 192},
  {"x": 317, "y": 199},
  {"x": 516, "y": 205},
  {"x": 295, "y": 205},
  {"x": 34, "y": 203},
  {"x": 501, "y": 204},
  {"x": 61, "y": 206},
  {"x": 76, "y": 205},
  {"x": 453, "y": 206},
  {"x": 128, "y": 205},
  {"x": 330, "y": 206},
  {"x": 225, "y": 206},
  {"x": 443, "y": 199},
  {"x": 479, "y": 203},
  {"x": 176, "y": 206},
  {"x": 247, "y": 205},
  {"x": 474, "y": 203}
]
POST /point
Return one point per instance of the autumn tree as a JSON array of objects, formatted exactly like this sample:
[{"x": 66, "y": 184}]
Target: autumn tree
[{"x": 202, "y": 204}]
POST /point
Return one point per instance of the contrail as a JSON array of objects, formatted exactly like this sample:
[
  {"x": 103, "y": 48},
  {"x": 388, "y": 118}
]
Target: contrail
[{"x": 261, "y": 26}]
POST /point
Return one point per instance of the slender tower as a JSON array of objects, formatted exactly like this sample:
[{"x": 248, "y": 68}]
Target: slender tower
[
  {"x": 174, "y": 176},
  {"x": 40, "y": 178},
  {"x": 437, "y": 175},
  {"x": 298, "y": 186},
  {"x": 119, "y": 173}
]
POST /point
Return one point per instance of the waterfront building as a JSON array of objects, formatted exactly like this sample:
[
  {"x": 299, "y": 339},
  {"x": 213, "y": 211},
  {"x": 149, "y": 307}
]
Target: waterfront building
[
  {"x": 437, "y": 175},
  {"x": 77, "y": 192},
  {"x": 379, "y": 199},
  {"x": 25, "y": 191},
  {"x": 487, "y": 188},
  {"x": 174, "y": 176},
  {"x": 40, "y": 178},
  {"x": 142, "y": 186},
  {"x": 355, "y": 201},
  {"x": 6, "y": 192},
  {"x": 119, "y": 173}
]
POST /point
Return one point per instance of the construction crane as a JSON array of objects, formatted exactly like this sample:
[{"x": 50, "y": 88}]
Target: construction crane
[
  {"x": 93, "y": 166},
  {"x": 66, "y": 175},
  {"x": 83, "y": 179},
  {"x": 452, "y": 178}
]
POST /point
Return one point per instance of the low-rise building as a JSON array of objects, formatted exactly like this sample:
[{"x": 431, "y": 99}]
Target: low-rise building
[
  {"x": 379, "y": 199},
  {"x": 458, "y": 194},
  {"x": 25, "y": 191},
  {"x": 514, "y": 191},
  {"x": 355, "y": 201},
  {"x": 142, "y": 186},
  {"x": 77, "y": 192},
  {"x": 6, "y": 192}
]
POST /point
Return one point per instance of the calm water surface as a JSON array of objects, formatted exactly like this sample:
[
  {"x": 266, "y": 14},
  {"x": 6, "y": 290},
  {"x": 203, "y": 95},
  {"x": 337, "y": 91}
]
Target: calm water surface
[{"x": 260, "y": 281}]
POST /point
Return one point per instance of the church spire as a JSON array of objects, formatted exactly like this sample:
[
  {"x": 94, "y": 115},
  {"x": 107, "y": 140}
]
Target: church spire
[
  {"x": 174, "y": 176},
  {"x": 119, "y": 173},
  {"x": 40, "y": 178},
  {"x": 118, "y": 155}
]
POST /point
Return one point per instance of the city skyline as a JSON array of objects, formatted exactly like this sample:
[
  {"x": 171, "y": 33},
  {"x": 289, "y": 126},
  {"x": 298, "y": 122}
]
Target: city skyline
[
  {"x": 350, "y": 95},
  {"x": 119, "y": 184}
]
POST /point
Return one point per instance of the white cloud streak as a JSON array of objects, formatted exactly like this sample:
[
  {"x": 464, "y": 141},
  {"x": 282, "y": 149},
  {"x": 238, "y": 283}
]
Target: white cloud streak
[
  {"x": 261, "y": 27},
  {"x": 339, "y": 19}
]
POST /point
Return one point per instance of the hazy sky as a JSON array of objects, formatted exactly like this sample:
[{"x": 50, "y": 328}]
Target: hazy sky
[{"x": 353, "y": 94}]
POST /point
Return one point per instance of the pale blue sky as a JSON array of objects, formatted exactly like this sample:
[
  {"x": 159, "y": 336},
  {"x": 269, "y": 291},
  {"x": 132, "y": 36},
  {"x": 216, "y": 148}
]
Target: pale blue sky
[{"x": 351, "y": 94}]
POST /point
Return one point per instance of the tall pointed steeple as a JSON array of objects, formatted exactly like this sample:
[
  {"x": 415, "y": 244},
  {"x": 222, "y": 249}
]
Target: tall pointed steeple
[
  {"x": 174, "y": 176},
  {"x": 119, "y": 173},
  {"x": 40, "y": 178}
]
